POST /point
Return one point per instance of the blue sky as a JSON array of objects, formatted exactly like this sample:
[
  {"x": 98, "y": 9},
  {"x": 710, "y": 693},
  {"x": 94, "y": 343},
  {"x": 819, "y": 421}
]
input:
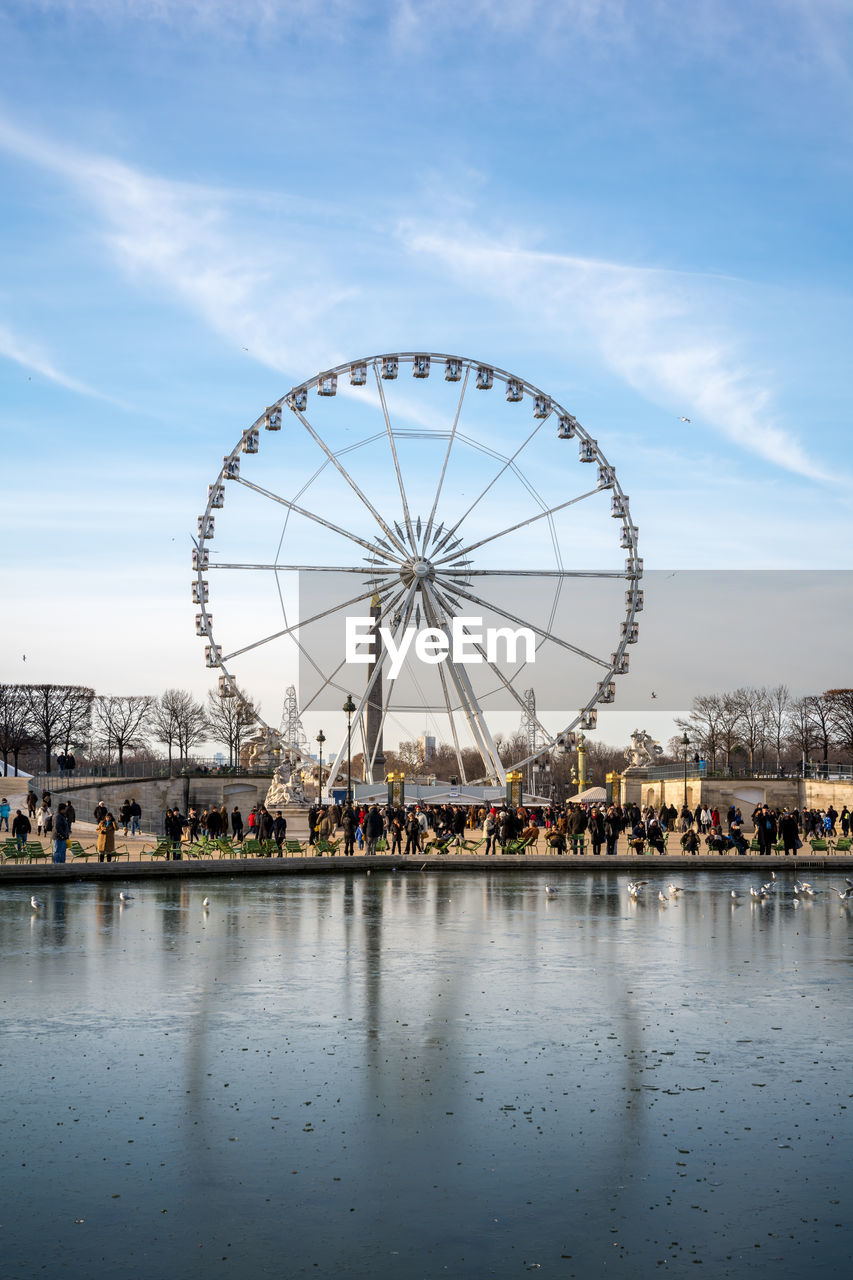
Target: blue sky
[{"x": 643, "y": 208}]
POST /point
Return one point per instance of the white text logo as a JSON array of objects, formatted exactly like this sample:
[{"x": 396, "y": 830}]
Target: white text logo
[{"x": 466, "y": 642}]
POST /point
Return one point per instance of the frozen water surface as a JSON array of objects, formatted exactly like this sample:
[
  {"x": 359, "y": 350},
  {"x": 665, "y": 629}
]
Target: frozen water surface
[{"x": 422, "y": 1075}]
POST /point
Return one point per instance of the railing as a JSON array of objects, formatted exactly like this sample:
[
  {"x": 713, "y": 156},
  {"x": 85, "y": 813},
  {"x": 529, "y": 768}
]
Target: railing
[
  {"x": 818, "y": 772},
  {"x": 141, "y": 770}
]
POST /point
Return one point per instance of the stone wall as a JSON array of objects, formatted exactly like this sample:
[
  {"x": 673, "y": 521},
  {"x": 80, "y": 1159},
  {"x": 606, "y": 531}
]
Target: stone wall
[
  {"x": 156, "y": 795},
  {"x": 743, "y": 793}
]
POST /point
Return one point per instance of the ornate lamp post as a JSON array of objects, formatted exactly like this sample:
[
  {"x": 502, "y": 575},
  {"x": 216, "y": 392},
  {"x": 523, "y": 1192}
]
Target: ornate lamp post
[
  {"x": 349, "y": 708},
  {"x": 685, "y": 742},
  {"x": 321, "y": 738}
]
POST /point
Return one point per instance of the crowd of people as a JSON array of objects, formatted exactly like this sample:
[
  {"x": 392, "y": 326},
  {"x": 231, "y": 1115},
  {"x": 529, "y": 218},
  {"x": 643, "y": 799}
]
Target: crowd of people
[{"x": 567, "y": 828}]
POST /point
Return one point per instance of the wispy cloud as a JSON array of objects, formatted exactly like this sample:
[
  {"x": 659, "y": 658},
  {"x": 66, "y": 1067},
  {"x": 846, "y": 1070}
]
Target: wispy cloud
[
  {"x": 31, "y": 356},
  {"x": 649, "y": 326},
  {"x": 248, "y": 287}
]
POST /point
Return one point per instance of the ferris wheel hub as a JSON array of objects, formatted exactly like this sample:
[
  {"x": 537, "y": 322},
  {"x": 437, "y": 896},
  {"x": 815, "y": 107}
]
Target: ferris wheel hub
[{"x": 416, "y": 569}]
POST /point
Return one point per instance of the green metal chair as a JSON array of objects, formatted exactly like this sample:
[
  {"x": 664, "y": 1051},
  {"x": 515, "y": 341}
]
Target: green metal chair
[
  {"x": 11, "y": 853},
  {"x": 162, "y": 849},
  {"x": 36, "y": 851}
]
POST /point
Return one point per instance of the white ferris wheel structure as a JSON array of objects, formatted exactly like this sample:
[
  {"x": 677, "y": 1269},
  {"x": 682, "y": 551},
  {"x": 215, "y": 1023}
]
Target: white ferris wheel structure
[{"x": 427, "y": 488}]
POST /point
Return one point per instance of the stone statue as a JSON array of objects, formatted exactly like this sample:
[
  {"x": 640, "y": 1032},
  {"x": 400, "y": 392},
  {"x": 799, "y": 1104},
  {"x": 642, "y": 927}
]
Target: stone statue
[
  {"x": 286, "y": 787},
  {"x": 643, "y": 750},
  {"x": 263, "y": 750}
]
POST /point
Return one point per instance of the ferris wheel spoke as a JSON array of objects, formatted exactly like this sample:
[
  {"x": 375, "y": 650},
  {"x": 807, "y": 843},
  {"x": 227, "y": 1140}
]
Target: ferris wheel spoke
[
  {"x": 470, "y": 706},
  {"x": 522, "y": 524},
  {"x": 367, "y": 570},
  {"x": 531, "y": 573},
  {"x": 447, "y": 701},
  {"x": 507, "y": 463},
  {"x": 311, "y": 515},
  {"x": 339, "y": 466},
  {"x": 450, "y": 442},
  {"x": 546, "y": 635},
  {"x": 508, "y": 685},
  {"x": 296, "y": 626},
  {"x": 392, "y": 443},
  {"x": 403, "y": 618}
]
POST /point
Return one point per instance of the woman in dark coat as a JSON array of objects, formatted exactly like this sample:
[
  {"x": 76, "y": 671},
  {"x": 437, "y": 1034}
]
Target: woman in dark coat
[{"x": 596, "y": 830}]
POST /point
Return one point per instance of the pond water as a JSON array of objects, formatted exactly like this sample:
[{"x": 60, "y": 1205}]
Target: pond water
[{"x": 423, "y": 1075}]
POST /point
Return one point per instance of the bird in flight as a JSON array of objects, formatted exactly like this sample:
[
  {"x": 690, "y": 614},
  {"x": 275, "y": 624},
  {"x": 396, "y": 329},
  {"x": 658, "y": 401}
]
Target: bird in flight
[
  {"x": 683, "y": 419},
  {"x": 654, "y": 695}
]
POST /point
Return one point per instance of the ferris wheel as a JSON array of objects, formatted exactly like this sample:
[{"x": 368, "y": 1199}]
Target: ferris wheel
[{"x": 427, "y": 492}]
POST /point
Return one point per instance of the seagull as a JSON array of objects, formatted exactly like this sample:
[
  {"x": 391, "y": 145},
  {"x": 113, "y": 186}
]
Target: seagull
[
  {"x": 654, "y": 695},
  {"x": 757, "y": 893},
  {"x": 205, "y": 904},
  {"x": 550, "y": 891},
  {"x": 36, "y": 903},
  {"x": 125, "y": 897},
  {"x": 683, "y": 419},
  {"x": 634, "y": 886},
  {"x": 675, "y": 889},
  {"x": 662, "y": 896},
  {"x": 846, "y": 896},
  {"x": 735, "y": 895}
]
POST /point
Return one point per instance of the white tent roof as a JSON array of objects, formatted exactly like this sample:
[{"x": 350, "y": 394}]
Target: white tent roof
[{"x": 591, "y": 794}]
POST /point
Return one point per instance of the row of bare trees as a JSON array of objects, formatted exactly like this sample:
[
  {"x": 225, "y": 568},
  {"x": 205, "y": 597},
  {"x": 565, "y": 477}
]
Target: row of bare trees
[
  {"x": 44, "y": 721},
  {"x": 767, "y": 725}
]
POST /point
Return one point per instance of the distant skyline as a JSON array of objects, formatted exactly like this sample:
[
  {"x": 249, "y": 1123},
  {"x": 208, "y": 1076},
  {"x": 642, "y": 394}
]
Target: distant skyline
[{"x": 644, "y": 209}]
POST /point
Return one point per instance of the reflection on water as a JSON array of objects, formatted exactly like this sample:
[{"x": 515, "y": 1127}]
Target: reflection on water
[{"x": 423, "y": 1075}]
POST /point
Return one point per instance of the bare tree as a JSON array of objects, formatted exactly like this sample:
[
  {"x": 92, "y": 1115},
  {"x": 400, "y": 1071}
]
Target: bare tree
[
  {"x": 802, "y": 734},
  {"x": 703, "y": 725},
  {"x": 122, "y": 721},
  {"x": 839, "y": 703},
  {"x": 752, "y": 703},
  {"x": 822, "y": 723},
  {"x": 15, "y": 731},
  {"x": 230, "y": 719},
  {"x": 59, "y": 713},
  {"x": 177, "y": 720},
  {"x": 730, "y": 725},
  {"x": 777, "y": 706}
]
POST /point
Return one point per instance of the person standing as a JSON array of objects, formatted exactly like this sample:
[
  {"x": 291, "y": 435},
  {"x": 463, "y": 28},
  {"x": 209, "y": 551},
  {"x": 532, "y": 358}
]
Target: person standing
[
  {"x": 21, "y": 828},
  {"x": 413, "y": 834},
  {"x": 596, "y": 830},
  {"x": 373, "y": 828},
  {"x": 237, "y": 824},
  {"x": 61, "y": 832},
  {"x": 135, "y": 817},
  {"x": 348, "y": 828},
  {"x": 279, "y": 830},
  {"x": 70, "y": 815},
  {"x": 611, "y": 830},
  {"x": 789, "y": 830},
  {"x": 766, "y": 831},
  {"x": 42, "y": 815},
  {"x": 106, "y": 842},
  {"x": 124, "y": 816},
  {"x": 5, "y": 810}
]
